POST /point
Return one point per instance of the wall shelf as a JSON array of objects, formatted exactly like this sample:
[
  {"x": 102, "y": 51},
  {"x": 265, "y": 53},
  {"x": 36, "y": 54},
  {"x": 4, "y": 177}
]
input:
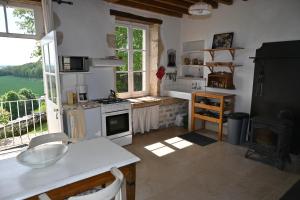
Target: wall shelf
[
  {"x": 194, "y": 65},
  {"x": 192, "y": 59},
  {"x": 190, "y": 78},
  {"x": 230, "y": 50},
  {"x": 230, "y": 65},
  {"x": 220, "y": 88},
  {"x": 188, "y": 52}
]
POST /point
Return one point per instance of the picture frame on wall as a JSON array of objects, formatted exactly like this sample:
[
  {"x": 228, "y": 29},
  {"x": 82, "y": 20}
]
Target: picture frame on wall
[{"x": 222, "y": 40}]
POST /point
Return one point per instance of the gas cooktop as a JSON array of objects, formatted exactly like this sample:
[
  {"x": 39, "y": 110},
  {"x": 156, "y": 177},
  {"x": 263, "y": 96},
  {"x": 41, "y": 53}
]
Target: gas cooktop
[{"x": 110, "y": 100}]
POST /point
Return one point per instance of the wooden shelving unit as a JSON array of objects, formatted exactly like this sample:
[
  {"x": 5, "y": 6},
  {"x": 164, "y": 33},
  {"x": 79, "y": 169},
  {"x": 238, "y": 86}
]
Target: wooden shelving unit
[
  {"x": 194, "y": 65},
  {"x": 225, "y": 103},
  {"x": 192, "y": 59},
  {"x": 230, "y": 65},
  {"x": 230, "y": 50},
  {"x": 217, "y": 79},
  {"x": 190, "y": 78}
]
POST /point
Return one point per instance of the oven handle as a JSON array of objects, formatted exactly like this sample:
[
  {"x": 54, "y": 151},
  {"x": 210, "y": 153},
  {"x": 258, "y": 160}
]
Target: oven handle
[{"x": 116, "y": 112}]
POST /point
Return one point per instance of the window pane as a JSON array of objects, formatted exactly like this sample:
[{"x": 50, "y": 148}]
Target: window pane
[
  {"x": 138, "y": 38},
  {"x": 48, "y": 77},
  {"x": 52, "y": 60},
  {"x": 138, "y": 61},
  {"x": 138, "y": 81},
  {"x": 20, "y": 20},
  {"x": 54, "y": 89},
  {"x": 2, "y": 19},
  {"x": 124, "y": 56},
  {"x": 121, "y": 37},
  {"x": 46, "y": 58},
  {"x": 122, "y": 82}
]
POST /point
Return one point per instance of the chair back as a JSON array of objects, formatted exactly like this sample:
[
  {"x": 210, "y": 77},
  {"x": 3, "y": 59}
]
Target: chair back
[
  {"x": 51, "y": 137},
  {"x": 113, "y": 191}
]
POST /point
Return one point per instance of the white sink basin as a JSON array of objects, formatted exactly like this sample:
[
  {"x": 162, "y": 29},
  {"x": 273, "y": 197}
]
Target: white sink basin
[
  {"x": 181, "y": 94},
  {"x": 42, "y": 155}
]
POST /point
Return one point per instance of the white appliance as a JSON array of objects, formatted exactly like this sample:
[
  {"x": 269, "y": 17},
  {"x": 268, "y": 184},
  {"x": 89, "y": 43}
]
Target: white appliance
[
  {"x": 82, "y": 93},
  {"x": 92, "y": 125},
  {"x": 74, "y": 64},
  {"x": 116, "y": 120}
]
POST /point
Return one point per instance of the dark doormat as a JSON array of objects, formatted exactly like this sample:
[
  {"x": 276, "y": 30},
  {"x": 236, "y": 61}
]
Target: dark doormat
[
  {"x": 293, "y": 193},
  {"x": 197, "y": 139}
]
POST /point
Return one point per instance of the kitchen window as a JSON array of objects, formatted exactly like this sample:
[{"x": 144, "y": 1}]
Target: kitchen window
[
  {"x": 19, "y": 20},
  {"x": 132, "y": 79}
]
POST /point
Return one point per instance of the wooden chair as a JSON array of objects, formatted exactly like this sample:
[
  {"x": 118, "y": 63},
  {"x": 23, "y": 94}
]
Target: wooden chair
[
  {"x": 51, "y": 137},
  {"x": 113, "y": 191}
]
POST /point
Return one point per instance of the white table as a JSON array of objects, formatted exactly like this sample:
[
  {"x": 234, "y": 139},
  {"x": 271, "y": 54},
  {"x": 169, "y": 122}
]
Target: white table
[{"x": 89, "y": 161}]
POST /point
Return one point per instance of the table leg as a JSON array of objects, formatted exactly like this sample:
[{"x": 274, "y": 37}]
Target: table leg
[{"x": 130, "y": 182}]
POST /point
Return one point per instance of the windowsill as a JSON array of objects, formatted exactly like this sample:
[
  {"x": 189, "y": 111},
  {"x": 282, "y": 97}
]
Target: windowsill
[{"x": 146, "y": 101}]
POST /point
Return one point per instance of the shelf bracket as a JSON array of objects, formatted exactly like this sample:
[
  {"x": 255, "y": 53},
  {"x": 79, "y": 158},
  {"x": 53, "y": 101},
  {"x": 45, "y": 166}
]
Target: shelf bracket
[
  {"x": 212, "y": 54},
  {"x": 232, "y": 53},
  {"x": 211, "y": 69},
  {"x": 231, "y": 67}
]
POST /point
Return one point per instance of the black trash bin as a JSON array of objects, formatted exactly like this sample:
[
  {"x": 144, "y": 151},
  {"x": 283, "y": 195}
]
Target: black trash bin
[{"x": 237, "y": 127}]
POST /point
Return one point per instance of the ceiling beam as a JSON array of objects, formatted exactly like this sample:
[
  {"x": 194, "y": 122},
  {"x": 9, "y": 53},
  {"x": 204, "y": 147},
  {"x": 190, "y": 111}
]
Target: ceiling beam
[
  {"x": 135, "y": 18},
  {"x": 177, "y": 3},
  {"x": 227, "y": 2},
  {"x": 138, "y": 5},
  {"x": 214, "y": 4},
  {"x": 160, "y": 5}
]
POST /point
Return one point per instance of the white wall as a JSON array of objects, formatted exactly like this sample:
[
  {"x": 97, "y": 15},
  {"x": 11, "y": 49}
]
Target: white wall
[
  {"x": 253, "y": 22},
  {"x": 85, "y": 25}
]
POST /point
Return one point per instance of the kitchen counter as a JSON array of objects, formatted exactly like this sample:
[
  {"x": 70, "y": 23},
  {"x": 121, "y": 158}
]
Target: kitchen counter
[
  {"x": 83, "y": 160},
  {"x": 85, "y": 105},
  {"x": 147, "y": 101}
]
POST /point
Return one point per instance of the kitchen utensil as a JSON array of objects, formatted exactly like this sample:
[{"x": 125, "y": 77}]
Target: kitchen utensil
[{"x": 112, "y": 95}]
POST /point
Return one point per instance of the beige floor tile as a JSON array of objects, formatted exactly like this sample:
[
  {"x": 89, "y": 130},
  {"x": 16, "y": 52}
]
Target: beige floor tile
[{"x": 216, "y": 171}]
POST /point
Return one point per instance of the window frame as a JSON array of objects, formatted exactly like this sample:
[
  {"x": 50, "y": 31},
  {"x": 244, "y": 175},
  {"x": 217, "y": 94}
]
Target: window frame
[
  {"x": 131, "y": 93},
  {"x": 38, "y": 16}
]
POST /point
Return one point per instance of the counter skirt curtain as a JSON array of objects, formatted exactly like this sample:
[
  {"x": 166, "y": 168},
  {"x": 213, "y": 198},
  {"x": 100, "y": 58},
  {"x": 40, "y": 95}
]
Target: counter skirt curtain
[
  {"x": 76, "y": 125},
  {"x": 145, "y": 119}
]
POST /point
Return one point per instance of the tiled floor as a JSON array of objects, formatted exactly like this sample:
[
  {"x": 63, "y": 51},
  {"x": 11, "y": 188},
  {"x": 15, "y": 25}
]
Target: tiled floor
[{"x": 217, "y": 171}]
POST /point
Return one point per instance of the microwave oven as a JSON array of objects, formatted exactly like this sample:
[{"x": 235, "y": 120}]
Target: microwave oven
[{"x": 74, "y": 64}]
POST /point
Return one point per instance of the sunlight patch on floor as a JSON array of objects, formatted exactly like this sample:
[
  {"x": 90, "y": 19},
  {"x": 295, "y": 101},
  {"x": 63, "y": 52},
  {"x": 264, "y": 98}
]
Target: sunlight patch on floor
[
  {"x": 178, "y": 142},
  {"x": 161, "y": 149}
]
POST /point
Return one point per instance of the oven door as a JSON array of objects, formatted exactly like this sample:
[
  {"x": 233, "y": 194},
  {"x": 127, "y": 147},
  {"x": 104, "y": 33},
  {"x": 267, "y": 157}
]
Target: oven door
[{"x": 116, "y": 124}]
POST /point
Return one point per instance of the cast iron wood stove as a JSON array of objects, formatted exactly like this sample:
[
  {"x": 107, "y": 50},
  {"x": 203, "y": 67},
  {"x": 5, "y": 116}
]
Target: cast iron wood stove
[
  {"x": 270, "y": 139},
  {"x": 276, "y": 87}
]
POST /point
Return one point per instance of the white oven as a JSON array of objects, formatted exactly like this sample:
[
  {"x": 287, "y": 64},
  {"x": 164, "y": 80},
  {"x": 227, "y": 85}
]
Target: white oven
[{"x": 116, "y": 122}]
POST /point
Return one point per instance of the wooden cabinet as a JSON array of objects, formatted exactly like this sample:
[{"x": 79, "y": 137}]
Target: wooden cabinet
[{"x": 212, "y": 107}]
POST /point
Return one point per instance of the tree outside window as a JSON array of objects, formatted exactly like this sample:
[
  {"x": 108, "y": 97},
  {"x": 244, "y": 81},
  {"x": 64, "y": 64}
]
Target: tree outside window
[{"x": 131, "y": 48}]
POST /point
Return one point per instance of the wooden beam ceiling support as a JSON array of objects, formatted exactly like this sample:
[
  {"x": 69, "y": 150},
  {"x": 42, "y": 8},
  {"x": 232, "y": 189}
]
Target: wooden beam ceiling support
[
  {"x": 136, "y": 18},
  {"x": 138, "y": 5},
  {"x": 227, "y": 2},
  {"x": 213, "y": 3},
  {"x": 161, "y": 6},
  {"x": 176, "y": 3}
]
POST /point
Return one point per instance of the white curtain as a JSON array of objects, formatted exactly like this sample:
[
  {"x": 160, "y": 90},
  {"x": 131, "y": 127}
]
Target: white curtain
[
  {"x": 76, "y": 124},
  {"x": 48, "y": 15},
  {"x": 145, "y": 119}
]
